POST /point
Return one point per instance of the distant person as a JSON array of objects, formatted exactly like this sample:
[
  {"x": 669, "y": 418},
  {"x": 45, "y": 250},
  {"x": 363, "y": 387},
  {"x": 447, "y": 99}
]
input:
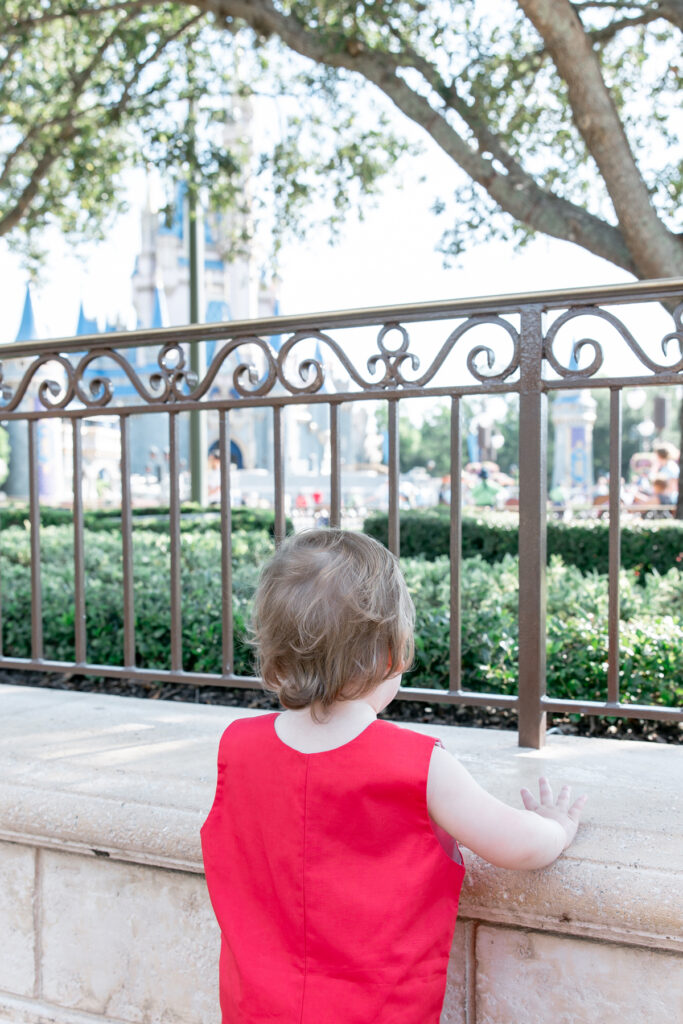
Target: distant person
[
  {"x": 330, "y": 850},
  {"x": 661, "y": 493},
  {"x": 667, "y": 467},
  {"x": 485, "y": 492},
  {"x": 213, "y": 480}
]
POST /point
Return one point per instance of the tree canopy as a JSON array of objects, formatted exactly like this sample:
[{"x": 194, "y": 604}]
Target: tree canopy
[{"x": 560, "y": 118}]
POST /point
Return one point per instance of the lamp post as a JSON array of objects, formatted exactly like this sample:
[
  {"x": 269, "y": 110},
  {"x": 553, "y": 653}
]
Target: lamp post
[{"x": 198, "y": 451}]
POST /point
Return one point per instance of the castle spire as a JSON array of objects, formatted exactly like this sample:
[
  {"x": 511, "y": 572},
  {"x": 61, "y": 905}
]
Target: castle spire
[{"x": 27, "y": 328}]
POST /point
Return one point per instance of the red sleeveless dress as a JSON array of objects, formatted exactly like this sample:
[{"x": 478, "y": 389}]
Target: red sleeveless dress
[{"x": 335, "y": 897}]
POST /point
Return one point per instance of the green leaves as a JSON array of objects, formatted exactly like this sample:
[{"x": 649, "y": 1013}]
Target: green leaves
[
  {"x": 646, "y": 546},
  {"x": 651, "y": 636},
  {"x": 84, "y": 93},
  {"x": 651, "y": 639},
  {"x": 201, "y": 594},
  {"x": 88, "y": 89}
]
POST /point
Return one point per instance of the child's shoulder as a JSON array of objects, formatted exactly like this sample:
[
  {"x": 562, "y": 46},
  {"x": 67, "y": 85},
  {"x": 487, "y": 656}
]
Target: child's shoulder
[
  {"x": 246, "y": 729},
  {"x": 405, "y": 737}
]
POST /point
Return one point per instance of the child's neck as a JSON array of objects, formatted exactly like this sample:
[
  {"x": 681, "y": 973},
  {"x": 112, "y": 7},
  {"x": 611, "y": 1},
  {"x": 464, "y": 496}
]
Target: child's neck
[{"x": 343, "y": 721}]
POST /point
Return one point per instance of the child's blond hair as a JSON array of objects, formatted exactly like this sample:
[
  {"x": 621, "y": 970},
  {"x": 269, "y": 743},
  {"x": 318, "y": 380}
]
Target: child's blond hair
[{"x": 332, "y": 619}]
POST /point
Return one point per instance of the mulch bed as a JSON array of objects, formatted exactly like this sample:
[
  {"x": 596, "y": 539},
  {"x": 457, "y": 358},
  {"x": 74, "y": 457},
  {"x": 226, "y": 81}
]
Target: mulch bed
[{"x": 399, "y": 711}]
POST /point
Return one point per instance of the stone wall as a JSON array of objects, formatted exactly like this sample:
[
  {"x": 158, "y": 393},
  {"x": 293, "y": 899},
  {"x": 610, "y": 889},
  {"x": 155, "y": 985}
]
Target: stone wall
[{"x": 104, "y": 915}]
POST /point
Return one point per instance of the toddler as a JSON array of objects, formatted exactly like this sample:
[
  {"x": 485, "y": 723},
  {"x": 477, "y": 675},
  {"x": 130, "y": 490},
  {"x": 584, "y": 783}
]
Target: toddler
[{"x": 330, "y": 849}]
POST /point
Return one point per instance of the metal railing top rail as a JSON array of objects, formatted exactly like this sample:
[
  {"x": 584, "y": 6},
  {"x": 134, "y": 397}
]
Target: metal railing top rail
[
  {"x": 532, "y": 345},
  {"x": 657, "y": 290}
]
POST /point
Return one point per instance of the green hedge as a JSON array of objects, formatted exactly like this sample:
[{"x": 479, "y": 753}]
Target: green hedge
[
  {"x": 155, "y": 518},
  {"x": 201, "y": 595},
  {"x": 646, "y": 545},
  {"x": 651, "y": 668},
  {"x": 652, "y": 640}
]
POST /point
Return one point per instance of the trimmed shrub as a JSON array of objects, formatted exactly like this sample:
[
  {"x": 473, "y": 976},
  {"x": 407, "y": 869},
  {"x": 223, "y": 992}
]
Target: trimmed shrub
[
  {"x": 651, "y": 663},
  {"x": 201, "y": 596},
  {"x": 652, "y": 640},
  {"x": 155, "y": 518},
  {"x": 646, "y": 545}
]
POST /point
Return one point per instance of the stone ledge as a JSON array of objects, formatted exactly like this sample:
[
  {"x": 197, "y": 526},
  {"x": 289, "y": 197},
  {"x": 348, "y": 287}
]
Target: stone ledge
[
  {"x": 37, "y": 1011},
  {"x": 132, "y": 780}
]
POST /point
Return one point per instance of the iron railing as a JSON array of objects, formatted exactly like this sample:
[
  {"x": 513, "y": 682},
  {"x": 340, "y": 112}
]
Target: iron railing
[{"x": 60, "y": 378}]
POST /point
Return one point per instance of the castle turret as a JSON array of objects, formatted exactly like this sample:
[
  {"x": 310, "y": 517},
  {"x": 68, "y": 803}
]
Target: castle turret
[{"x": 573, "y": 415}]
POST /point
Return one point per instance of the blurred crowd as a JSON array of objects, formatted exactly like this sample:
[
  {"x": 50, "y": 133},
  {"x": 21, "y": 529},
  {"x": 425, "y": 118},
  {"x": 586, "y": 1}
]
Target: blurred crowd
[{"x": 654, "y": 481}]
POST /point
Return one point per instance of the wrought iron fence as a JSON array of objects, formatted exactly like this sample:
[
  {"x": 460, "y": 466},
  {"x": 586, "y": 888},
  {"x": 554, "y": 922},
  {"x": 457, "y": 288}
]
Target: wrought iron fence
[{"x": 78, "y": 379}]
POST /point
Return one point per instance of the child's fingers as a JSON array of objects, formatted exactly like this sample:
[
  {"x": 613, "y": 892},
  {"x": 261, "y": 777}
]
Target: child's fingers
[
  {"x": 545, "y": 792},
  {"x": 564, "y": 798},
  {"x": 529, "y": 800},
  {"x": 574, "y": 811}
]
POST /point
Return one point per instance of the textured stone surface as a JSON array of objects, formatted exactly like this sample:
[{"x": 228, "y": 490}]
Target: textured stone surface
[
  {"x": 543, "y": 979},
  {"x": 110, "y": 792},
  {"x": 134, "y": 943},
  {"x": 17, "y": 960},
  {"x": 18, "y": 1010},
  {"x": 134, "y": 778},
  {"x": 455, "y": 1003}
]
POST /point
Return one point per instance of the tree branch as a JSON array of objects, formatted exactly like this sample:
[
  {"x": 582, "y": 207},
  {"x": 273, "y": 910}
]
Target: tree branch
[
  {"x": 133, "y": 6},
  {"x": 70, "y": 129},
  {"x": 28, "y": 138},
  {"x": 603, "y": 35},
  {"x": 11, "y": 50},
  {"x": 606, "y": 4},
  {"x": 14, "y": 216},
  {"x": 78, "y": 85},
  {"x": 156, "y": 53},
  {"x": 671, "y": 10},
  {"x": 659, "y": 251},
  {"x": 516, "y": 192}
]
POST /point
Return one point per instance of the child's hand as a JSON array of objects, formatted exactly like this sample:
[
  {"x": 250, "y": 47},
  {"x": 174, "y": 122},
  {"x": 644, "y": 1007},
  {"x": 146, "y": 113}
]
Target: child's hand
[{"x": 568, "y": 817}]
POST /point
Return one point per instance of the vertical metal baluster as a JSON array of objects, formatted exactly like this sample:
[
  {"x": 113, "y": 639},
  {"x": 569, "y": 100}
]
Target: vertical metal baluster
[
  {"x": 394, "y": 522},
  {"x": 614, "y": 544},
  {"x": 79, "y": 552},
  {"x": 226, "y": 543},
  {"x": 278, "y": 476},
  {"x": 1, "y": 628},
  {"x": 174, "y": 529},
  {"x": 34, "y": 519},
  {"x": 335, "y": 467},
  {"x": 455, "y": 681},
  {"x": 127, "y": 549},
  {"x": 533, "y": 486}
]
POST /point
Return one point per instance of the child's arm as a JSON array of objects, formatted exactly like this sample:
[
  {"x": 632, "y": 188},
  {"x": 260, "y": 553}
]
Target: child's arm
[{"x": 495, "y": 831}]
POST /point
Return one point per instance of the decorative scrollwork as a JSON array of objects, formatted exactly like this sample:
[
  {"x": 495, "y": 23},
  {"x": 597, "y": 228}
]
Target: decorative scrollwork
[
  {"x": 52, "y": 394},
  {"x": 98, "y": 391},
  {"x": 479, "y": 350},
  {"x": 246, "y": 380},
  {"x": 392, "y": 359},
  {"x": 392, "y": 366},
  {"x": 173, "y": 381},
  {"x": 310, "y": 366},
  {"x": 676, "y": 335},
  {"x": 596, "y": 347}
]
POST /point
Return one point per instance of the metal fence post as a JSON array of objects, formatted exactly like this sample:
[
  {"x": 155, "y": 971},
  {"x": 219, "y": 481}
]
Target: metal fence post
[{"x": 533, "y": 488}]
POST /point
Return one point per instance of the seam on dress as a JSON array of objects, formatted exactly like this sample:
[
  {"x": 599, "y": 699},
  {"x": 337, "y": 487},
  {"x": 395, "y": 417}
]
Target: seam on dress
[
  {"x": 303, "y": 894},
  {"x": 431, "y": 823}
]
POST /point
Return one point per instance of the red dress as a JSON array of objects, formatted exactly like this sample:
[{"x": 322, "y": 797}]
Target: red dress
[{"x": 335, "y": 898}]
